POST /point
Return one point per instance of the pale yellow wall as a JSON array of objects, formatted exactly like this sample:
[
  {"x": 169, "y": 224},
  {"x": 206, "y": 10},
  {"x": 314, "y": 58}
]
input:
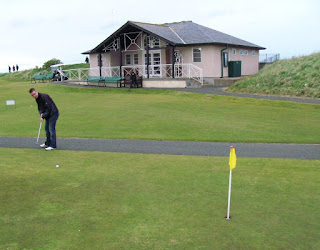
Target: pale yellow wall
[
  {"x": 211, "y": 60},
  {"x": 249, "y": 62},
  {"x": 108, "y": 60},
  {"x": 93, "y": 60}
]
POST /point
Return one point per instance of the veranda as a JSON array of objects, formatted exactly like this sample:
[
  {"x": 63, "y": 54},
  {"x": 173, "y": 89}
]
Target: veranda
[{"x": 158, "y": 71}]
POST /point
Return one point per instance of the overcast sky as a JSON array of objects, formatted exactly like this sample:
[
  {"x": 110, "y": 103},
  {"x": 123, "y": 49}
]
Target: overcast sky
[{"x": 35, "y": 31}]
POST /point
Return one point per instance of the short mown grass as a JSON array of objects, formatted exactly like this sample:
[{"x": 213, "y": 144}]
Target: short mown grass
[
  {"x": 97, "y": 200},
  {"x": 159, "y": 115}
]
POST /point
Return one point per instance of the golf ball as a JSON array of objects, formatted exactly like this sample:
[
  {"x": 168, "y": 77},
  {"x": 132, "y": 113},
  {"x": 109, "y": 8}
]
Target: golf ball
[{"x": 57, "y": 166}]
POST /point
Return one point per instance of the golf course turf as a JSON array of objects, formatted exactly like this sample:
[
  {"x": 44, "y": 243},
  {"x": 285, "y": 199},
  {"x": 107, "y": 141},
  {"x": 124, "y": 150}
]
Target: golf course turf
[
  {"x": 118, "y": 200},
  {"x": 102, "y": 200}
]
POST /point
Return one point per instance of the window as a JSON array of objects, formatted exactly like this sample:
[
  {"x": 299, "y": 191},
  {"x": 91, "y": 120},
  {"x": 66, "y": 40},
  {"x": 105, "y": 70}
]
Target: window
[
  {"x": 156, "y": 42},
  {"x": 178, "y": 56},
  {"x": 128, "y": 59},
  {"x": 197, "y": 55},
  {"x": 246, "y": 52},
  {"x": 151, "y": 41},
  {"x": 253, "y": 52},
  {"x": 234, "y": 51},
  {"x": 135, "y": 59},
  {"x": 225, "y": 59},
  {"x": 240, "y": 52}
]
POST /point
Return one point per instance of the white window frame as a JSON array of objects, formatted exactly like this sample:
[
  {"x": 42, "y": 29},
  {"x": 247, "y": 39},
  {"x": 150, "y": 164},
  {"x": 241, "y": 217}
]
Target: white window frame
[
  {"x": 135, "y": 59},
  {"x": 151, "y": 41},
  {"x": 234, "y": 51},
  {"x": 253, "y": 52},
  {"x": 128, "y": 56},
  {"x": 130, "y": 59},
  {"x": 240, "y": 51},
  {"x": 193, "y": 51},
  {"x": 245, "y": 52}
]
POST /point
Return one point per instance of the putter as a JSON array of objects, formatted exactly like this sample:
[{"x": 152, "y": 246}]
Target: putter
[{"x": 37, "y": 142}]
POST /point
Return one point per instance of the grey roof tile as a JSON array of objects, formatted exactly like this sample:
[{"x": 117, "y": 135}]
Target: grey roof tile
[
  {"x": 188, "y": 32},
  {"x": 180, "y": 33},
  {"x": 160, "y": 30}
]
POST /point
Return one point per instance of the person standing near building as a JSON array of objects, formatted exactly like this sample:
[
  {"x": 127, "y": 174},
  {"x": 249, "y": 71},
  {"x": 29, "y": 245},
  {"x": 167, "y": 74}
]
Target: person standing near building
[
  {"x": 17, "y": 67},
  {"x": 9, "y": 69},
  {"x": 48, "y": 111},
  {"x": 133, "y": 80}
]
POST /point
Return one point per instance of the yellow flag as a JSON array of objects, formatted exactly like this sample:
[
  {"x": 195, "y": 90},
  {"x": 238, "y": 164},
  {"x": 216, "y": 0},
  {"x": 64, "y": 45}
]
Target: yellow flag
[{"x": 233, "y": 158}]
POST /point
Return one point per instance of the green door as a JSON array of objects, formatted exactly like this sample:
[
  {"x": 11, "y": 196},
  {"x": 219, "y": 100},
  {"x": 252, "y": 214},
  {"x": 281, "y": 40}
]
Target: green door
[{"x": 234, "y": 68}]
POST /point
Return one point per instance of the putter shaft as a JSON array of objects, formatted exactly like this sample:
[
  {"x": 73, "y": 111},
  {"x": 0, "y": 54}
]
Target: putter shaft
[{"x": 39, "y": 133}]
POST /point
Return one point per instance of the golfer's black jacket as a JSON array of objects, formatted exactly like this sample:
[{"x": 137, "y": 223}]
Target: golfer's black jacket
[{"x": 46, "y": 106}]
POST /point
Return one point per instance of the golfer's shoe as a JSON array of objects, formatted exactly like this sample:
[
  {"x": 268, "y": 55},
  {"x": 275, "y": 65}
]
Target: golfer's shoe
[
  {"x": 43, "y": 145},
  {"x": 49, "y": 148}
]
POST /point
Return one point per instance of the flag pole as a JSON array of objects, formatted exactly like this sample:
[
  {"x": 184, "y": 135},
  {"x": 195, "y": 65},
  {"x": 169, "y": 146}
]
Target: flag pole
[
  {"x": 229, "y": 195},
  {"x": 232, "y": 164}
]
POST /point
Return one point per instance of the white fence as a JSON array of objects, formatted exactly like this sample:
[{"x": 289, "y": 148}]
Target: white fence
[
  {"x": 268, "y": 58},
  {"x": 82, "y": 74},
  {"x": 77, "y": 74},
  {"x": 188, "y": 71},
  {"x": 155, "y": 71}
]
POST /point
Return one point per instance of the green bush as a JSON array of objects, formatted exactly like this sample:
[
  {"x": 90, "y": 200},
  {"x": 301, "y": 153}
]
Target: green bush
[{"x": 53, "y": 61}]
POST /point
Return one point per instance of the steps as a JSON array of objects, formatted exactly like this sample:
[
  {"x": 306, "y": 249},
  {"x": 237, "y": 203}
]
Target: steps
[{"x": 220, "y": 82}]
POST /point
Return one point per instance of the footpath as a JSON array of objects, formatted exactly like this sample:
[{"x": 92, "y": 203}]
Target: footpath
[{"x": 262, "y": 150}]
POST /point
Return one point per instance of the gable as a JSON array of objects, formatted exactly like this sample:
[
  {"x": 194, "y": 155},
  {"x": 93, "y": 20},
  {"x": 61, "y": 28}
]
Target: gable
[{"x": 180, "y": 33}]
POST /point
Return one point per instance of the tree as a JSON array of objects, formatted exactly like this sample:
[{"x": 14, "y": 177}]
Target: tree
[{"x": 53, "y": 61}]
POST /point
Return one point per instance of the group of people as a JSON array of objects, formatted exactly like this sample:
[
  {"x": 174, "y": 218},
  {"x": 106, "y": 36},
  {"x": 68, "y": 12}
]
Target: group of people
[{"x": 14, "y": 68}]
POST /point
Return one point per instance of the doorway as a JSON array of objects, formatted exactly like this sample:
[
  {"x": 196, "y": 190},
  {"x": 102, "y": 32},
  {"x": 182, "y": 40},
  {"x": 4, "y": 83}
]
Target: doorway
[{"x": 154, "y": 63}]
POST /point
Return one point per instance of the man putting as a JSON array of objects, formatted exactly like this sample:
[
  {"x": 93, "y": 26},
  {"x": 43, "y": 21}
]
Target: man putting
[{"x": 48, "y": 111}]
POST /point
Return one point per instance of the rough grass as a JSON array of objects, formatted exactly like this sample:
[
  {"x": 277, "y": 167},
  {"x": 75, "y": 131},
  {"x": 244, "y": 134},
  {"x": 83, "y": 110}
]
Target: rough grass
[
  {"x": 98, "y": 200},
  {"x": 293, "y": 77}
]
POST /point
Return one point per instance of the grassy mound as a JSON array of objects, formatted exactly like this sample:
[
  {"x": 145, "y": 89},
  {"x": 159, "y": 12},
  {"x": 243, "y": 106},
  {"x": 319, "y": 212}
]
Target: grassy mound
[
  {"x": 293, "y": 77},
  {"x": 26, "y": 75}
]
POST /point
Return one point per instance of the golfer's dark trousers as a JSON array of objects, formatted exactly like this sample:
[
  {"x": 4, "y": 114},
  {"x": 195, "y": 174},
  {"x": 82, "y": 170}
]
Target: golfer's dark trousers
[
  {"x": 51, "y": 131},
  {"x": 132, "y": 83}
]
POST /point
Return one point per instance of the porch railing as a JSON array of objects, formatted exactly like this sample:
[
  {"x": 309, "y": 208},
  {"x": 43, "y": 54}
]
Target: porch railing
[
  {"x": 82, "y": 74},
  {"x": 165, "y": 71},
  {"x": 155, "y": 71},
  {"x": 188, "y": 71},
  {"x": 77, "y": 74}
]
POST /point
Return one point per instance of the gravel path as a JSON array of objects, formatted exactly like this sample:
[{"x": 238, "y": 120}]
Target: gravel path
[
  {"x": 220, "y": 91},
  {"x": 263, "y": 150}
]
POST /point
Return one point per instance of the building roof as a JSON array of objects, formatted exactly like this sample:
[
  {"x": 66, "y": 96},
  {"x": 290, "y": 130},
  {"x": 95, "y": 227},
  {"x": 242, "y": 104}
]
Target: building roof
[
  {"x": 180, "y": 34},
  {"x": 188, "y": 32}
]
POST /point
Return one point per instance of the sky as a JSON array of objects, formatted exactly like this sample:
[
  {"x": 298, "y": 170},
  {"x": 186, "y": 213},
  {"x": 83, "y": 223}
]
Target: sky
[{"x": 35, "y": 31}]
